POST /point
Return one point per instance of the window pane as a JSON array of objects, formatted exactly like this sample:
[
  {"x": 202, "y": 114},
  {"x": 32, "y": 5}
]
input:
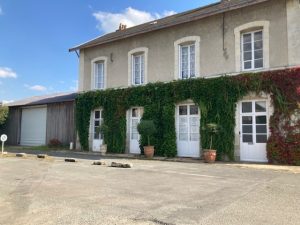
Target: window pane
[
  {"x": 247, "y": 138},
  {"x": 194, "y": 110},
  {"x": 247, "y": 47},
  {"x": 194, "y": 121},
  {"x": 258, "y": 45},
  {"x": 247, "y": 120},
  {"x": 96, "y": 135},
  {"x": 247, "y": 107},
  {"x": 183, "y": 110},
  {"x": 247, "y": 56},
  {"x": 247, "y": 129},
  {"x": 99, "y": 75},
  {"x": 97, "y": 123},
  {"x": 192, "y": 61},
  {"x": 258, "y": 63},
  {"x": 246, "y": 38},
  {"x": 97, "y": 114},
  {"x": 258, "y": 36},
  {"x": 260, "y": 106},
  {"x": 261, "y": 129},
  {"x": 247, "y": 65},
  {"x": 134, "y": 112},
  {"x": 194, "y": 137},
  {"x": 134, "y": 132},
  {"x": 258, "y": 54},
  {"x": 183, "y": 136},
  {"x": 261, "y": 120},
  {"x": 142, "y": 68},
  {"x": 134, "y": 136},
  {"x": 194, "y": 129},
  {"x": 137, "y": 69},
  {"x": 183, "y": 128},
  {"x": 261, "y": 138},
  {"x": 184, "y": 62}
]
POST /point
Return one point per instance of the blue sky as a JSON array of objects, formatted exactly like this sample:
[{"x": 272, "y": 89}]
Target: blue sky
[{"x": 35, "y": 37}]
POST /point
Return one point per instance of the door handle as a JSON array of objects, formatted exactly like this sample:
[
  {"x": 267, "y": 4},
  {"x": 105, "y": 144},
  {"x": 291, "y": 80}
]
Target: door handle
[{"x": 250, "y": 143}]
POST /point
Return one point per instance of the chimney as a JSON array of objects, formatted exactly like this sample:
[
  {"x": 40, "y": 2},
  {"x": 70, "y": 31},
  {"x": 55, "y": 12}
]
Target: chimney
[{"x": 122, "y": 27}]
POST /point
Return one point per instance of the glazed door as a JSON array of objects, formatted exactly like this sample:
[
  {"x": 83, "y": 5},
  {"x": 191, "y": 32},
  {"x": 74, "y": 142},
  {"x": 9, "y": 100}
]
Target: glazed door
[
  {"x": 135, "y": 117},
  {"x": 188, "y": 126},
  {"x": 97, "y": 137},
  {"x": 254, "y": 131}
]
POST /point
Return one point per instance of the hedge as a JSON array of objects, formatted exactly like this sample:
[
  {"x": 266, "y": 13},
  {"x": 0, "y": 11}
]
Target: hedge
[{"x": 216, "y": 97}]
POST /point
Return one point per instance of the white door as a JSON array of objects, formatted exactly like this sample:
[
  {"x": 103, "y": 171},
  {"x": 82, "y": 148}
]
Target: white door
[
  {"x": 97, "y": 137},
  {"x": 135, "y": 117},
  {"x": 187, "y": 127},
  {"x": 33, "y": 126},
  {"x": 254, "y": 130}
]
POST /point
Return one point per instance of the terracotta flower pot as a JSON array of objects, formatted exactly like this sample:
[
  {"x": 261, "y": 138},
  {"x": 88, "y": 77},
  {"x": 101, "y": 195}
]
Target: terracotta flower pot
[
  {"x": 149, "y": 151},
  {"x": 210, "y": 155}
]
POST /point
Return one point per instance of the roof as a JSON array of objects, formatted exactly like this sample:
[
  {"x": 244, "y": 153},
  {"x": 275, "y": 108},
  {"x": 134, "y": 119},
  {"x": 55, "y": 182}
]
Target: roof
[
  {"x": 181, "y": 18},
  {"x": 46, "y": 99}
]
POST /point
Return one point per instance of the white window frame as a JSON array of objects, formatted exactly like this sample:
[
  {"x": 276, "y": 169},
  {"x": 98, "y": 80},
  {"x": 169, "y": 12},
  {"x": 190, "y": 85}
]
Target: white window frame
[
  {"x": 93, "y": 77},
  {"x": 141, "y": 68},
  {"x": 256, "y": 25},
  {"x": 93, "y": 119},
  {"x": 252, "y": 50},
  {"x": 177, "y": 49},
  {"x": 131, "y": 54},
  {"x": 189, "y": 60},
  {"x": 253, "y": 114}
]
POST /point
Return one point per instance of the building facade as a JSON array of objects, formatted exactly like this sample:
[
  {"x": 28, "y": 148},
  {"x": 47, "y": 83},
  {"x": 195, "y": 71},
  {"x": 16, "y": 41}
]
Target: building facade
[{"x": 229, "y": 37}]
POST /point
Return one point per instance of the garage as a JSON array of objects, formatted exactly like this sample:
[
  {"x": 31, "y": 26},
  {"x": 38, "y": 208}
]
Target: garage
[
  {"x": 37, "y": 120},
  {"x": 33, "y": 126}
]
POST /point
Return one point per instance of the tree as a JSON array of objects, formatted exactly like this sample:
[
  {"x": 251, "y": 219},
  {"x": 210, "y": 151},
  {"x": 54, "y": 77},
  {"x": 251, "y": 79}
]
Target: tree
[{"x": 3, "y": 115}]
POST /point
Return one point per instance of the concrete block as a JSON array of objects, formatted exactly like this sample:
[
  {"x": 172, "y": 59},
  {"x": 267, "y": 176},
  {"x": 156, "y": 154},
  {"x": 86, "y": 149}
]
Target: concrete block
[
  {"x": 70, "y": 160},
  {"x": 21, "y": 155}
]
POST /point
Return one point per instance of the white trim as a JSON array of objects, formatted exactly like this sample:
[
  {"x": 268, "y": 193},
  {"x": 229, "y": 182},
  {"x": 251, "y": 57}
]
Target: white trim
[
  {"x": 143, "y": 50},
  {"x": 265, "y": 25},
  {"x": 252, "y": 33},
  {"x": 177, "y": 45},
  {"x": 93, "y": 62}
]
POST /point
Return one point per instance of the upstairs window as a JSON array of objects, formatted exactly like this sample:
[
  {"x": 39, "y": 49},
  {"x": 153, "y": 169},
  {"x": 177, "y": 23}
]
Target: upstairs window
[
  {"x": 137, "y": 66},
  {"x": 252, "y": 50},
  {"x": 138, "y": 69},
  {"x": 187, "y": 61},
  {"x": 99, "y": 75},
  {"x": 187, "y": 57}
]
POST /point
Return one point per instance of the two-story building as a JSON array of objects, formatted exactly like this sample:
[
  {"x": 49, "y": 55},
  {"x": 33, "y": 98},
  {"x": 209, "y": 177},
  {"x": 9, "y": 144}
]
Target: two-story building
[{"x": 229, "y": 37}]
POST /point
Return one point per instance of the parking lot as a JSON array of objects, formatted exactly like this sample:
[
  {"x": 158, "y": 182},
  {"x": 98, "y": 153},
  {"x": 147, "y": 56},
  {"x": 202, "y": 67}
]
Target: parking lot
[{"x": 51, "y": 191}]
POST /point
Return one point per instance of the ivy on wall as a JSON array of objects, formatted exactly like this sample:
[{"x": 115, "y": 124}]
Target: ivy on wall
[{"x": 216, "y": 97}]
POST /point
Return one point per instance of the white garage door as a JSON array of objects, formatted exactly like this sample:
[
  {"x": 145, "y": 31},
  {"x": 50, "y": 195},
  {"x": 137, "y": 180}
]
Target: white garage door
[{"x": 33, "y": 126}]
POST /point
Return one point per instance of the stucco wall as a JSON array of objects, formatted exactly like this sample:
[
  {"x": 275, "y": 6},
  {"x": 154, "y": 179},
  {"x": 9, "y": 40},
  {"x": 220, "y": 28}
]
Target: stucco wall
[
  {"x": 293, "y": 23},
  {"x": 213, "y": 59}
]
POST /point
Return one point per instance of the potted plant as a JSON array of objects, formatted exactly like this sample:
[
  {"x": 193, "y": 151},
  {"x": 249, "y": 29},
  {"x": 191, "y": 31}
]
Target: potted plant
[
  {"x": 147, "y": 128},
  {"x": 210, "y": 154},
  {"x": 103, "y": 129}
]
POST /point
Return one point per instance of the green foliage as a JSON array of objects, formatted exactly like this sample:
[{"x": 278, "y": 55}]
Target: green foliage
[
  {"x": 216, "y": 98},
  {"x": 146, "y": 128},
  {"x": 212, "y": 129},
  {"x": 3, "y": 114}
]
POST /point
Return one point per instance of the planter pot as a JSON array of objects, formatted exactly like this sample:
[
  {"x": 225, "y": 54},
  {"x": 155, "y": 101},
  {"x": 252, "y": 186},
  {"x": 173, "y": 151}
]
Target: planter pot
[
  {"x": 149, "y": 151},
  {"x": 210, "y": 155},
  {"x": 103, "y": 149}
]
